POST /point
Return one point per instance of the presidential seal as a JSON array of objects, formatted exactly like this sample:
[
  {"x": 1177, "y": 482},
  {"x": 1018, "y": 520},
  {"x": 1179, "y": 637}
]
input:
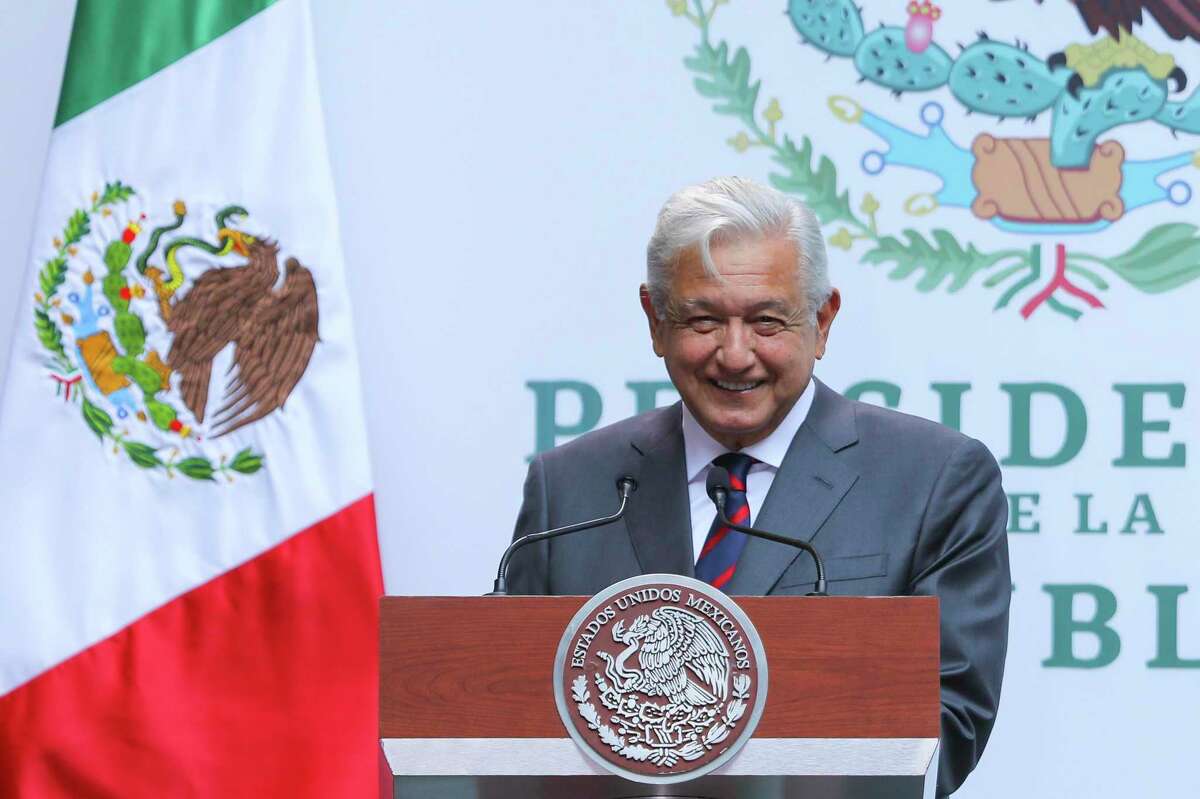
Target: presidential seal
[{"x": 660, "y": 678}]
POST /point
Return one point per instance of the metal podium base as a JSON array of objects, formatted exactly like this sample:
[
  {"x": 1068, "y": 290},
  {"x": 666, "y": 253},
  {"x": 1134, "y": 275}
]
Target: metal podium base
[
  {"x": 607, "y": 787},
  {"x": 767, "y": 768}
]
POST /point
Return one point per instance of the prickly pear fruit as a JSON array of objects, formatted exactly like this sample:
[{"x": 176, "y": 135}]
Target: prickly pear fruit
[{"x": 111, "y": 286}]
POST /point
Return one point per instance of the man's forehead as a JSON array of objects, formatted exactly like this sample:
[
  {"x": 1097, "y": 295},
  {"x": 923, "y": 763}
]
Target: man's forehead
[
  {"x": 749, "y": 257},
  {"x": 718, "y": 302},
  {"x": 779, "y": 287}
]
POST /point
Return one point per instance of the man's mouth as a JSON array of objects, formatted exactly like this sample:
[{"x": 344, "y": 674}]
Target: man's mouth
[{"x": 738, "y": 387}]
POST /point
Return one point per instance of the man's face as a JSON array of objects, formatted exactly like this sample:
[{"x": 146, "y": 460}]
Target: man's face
[{"x": 740, "y": 351}]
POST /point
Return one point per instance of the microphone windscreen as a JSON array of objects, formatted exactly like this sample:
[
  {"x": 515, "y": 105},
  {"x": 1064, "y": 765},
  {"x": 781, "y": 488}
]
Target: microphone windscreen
[
  {"x": 626, "y": 485},
  {"x": 718, "y": 478}
]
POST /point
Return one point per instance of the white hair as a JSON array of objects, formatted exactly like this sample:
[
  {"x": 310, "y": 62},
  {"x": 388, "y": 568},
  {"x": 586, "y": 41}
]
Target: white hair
[{"x": 724, "y": 210}]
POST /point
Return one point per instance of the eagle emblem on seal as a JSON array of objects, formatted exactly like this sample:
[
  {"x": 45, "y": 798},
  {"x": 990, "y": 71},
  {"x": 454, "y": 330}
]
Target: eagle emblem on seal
[
  {"x": 678, "y": 701},
  {"x": 660, "y": 678}
]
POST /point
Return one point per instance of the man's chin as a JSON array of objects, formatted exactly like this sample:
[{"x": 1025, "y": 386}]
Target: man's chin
[{"x": 736, "y": 432}]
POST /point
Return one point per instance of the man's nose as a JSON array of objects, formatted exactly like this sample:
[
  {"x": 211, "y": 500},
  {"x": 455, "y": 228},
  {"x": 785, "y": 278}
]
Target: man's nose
[{"x": 736, "y": 353}]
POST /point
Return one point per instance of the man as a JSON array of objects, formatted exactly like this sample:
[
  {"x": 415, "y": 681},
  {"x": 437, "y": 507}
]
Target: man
[{"x": 740, "y": 307}]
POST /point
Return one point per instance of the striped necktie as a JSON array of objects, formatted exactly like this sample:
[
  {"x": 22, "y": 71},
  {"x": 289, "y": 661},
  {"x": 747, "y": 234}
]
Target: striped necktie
[{"x": 718, "y": 558}]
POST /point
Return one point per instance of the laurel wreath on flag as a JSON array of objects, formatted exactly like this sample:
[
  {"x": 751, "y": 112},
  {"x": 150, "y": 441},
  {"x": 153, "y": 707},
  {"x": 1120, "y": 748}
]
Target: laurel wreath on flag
[
  {"x": 666, "y": 757},
  {"x": 65, "y": 370},
  {"x": 1166, "y": 257}
]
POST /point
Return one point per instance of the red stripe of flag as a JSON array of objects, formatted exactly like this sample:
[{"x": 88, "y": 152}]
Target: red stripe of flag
[{"x": 261, "y": 682}]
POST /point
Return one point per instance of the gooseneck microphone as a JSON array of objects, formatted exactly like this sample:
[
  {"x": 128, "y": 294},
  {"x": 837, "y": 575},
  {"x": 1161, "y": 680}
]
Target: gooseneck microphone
[
  {"x": 626, "y": 485},
  {"x": 718, "y": 488}
]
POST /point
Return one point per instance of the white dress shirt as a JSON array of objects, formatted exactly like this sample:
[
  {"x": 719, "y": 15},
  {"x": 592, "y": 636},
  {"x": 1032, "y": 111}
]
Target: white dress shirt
[{"x": 700, "y": 449}]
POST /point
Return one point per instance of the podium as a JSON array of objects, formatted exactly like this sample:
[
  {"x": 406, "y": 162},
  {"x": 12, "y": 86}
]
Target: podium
[{"x": 467, "y": 709}]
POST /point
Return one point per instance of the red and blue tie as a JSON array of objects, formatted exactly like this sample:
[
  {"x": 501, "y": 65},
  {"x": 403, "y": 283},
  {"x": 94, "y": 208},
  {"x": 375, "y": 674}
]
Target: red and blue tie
[{"x": 718, "y": 558}]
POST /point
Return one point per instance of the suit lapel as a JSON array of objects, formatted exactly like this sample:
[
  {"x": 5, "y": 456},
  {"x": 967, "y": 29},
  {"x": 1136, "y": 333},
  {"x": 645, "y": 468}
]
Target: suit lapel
[
  {"x": 812, "y": 480},
  {"x": 659, "y": 516}
]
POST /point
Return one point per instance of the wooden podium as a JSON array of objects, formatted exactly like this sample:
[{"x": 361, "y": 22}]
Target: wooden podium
[{"x": 466, "y": 702}]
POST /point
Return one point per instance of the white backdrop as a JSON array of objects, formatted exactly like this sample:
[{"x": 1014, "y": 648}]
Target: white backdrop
[{"x": 498, "y": 168}]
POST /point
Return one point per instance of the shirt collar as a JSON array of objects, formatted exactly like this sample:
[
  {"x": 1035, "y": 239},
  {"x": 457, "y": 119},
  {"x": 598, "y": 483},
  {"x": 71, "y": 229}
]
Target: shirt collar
[{"x": 700, "y": 448}]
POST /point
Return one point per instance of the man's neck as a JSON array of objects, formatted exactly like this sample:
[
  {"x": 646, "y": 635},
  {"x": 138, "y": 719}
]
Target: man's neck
[{"x": 701, "y": 447}]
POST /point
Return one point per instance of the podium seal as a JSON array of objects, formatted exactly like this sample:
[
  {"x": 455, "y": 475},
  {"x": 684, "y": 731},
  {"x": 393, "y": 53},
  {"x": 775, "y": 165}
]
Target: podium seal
[{"x": 660, "y": 678}]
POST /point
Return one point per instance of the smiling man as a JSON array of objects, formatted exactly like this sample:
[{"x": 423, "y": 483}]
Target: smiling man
[
  {"x": 739, "y": 347},
  {"x": 740, "y": 309}
]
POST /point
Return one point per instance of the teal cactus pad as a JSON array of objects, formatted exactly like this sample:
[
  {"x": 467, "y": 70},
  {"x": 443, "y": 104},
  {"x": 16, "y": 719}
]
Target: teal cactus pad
[
  {"x": 834, "y": 26},
  {"x": 883, "y": 59},
  {"x": 1124, "y": 96},
  {"x": 1005, "y": 81},
  {"x": 1183, "y": 116}
]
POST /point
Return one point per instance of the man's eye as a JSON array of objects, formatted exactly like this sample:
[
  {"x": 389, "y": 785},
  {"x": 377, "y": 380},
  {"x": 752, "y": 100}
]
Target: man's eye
[
  {"x": 766, "y": 325},
  {"x": 703, "y": 324}
]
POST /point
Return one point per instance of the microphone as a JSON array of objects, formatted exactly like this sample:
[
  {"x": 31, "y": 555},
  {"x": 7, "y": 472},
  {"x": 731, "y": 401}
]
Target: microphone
[
  {"x": 718, "y": 489},
  {"x": 626, "y": 485}
]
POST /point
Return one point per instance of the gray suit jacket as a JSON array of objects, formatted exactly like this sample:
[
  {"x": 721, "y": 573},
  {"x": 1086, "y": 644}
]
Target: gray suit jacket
[{"x": 896, "y": 505}]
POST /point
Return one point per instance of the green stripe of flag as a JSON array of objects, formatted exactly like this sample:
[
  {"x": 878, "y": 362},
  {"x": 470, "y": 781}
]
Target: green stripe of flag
[{"x": 116, "y": 43}]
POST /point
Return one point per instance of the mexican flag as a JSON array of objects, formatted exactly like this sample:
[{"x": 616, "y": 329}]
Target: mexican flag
[{"x": 189, "y": 569}]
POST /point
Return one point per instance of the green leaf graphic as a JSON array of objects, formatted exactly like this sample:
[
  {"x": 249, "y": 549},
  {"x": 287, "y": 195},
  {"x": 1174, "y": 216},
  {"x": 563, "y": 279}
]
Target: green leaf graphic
[
  {"x": 142, "y": 454},
  {"x": 196, "y": 468},
  {"x": 113, "y": 193},
  {"x": 52, "y": 276},
  {"x": 725, "y": 80},
  {"x": 77, "y": 227},
  {"x": 246, "y": 462},
  {"x": 1165, "y": 258},
  {"x": 48, "y": 333},
  {"x": 816, "y": 187},
  {"x": 944, "y": 258},
  {"x": 97, "y": 419}
]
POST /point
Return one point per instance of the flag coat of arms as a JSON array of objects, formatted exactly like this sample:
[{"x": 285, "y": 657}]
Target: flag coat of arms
[{"x": 189, "y": 569}]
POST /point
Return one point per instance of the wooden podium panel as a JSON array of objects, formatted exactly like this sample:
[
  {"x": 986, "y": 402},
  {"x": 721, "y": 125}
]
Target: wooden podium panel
[
  {"x": 840, "y": 667},
  {"x": 466, "y": 703}
]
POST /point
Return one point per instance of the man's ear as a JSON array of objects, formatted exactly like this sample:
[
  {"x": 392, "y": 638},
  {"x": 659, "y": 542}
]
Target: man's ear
[
  {"x": 656, "y": 324},
  {"x": 825, "y": 315}
]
